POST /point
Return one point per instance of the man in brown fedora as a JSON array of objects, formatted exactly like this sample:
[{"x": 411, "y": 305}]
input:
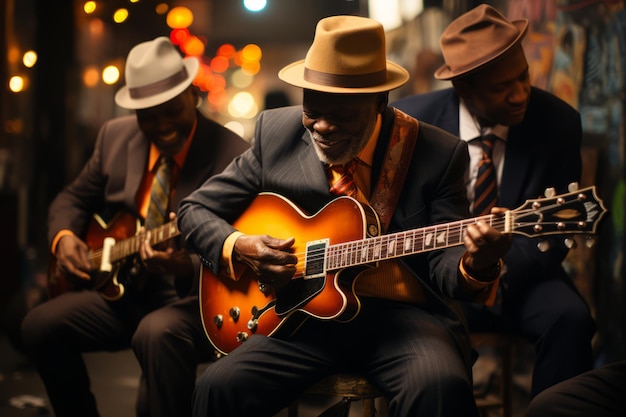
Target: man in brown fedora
[
  {"x": 391, "y": 321},
  {"x": 124, "y": 185},
  {"x": 537, "y": 146}
]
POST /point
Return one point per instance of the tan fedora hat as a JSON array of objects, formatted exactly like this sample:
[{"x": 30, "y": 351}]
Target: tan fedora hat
[
  {"x": 477, "y": 38},
  {"x": 348, "y": 55},
  {"x": 155, "y": 73}
]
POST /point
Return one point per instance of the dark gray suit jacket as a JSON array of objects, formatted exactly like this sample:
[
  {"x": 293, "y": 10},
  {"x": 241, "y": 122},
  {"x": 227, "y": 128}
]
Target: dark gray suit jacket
[{"x": 110, "y": 179}]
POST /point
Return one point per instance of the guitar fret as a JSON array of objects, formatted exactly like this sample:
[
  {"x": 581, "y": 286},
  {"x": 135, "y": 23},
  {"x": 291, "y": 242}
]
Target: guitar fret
[{"x": 391, "y": 248}]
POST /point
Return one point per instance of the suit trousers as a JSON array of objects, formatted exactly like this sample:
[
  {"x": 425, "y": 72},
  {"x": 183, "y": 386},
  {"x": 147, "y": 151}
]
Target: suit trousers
[
  {"x": 598, "y": 393},
  {"x": 406, "y": 351},
  {"x": 554, "y": 317},
  {"x": 164, "y": 332}
]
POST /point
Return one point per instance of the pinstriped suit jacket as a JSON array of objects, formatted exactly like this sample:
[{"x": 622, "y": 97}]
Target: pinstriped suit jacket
[{"x": 282, "y": 160}]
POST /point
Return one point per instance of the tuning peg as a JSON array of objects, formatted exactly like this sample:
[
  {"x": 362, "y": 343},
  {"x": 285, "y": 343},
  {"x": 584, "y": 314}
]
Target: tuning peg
[
  {"x": 573, "y": 186},
  {"x": 543, "y": 246},
  {"x": 570, "y": 243},
  {"x": 590, "y": 242},
  {"x": 550, "y": 192}
]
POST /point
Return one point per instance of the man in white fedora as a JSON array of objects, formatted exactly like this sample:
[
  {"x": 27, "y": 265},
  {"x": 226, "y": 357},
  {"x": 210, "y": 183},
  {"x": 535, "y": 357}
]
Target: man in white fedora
[
  {"x": 141, "y": 167},
  {"x": 391, "y": 323}
]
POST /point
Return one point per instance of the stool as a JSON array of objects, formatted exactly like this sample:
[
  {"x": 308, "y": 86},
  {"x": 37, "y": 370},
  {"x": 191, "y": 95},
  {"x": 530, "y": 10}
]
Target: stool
[
  {"x": 350, "y": 387},
  {"x": 504, "y": 343}
]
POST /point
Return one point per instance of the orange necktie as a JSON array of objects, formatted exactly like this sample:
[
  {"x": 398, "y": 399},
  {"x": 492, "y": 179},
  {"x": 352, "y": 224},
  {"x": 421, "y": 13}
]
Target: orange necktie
[
  {"x": 486, "y": 188},
  {"x": 345, "y": 184}
]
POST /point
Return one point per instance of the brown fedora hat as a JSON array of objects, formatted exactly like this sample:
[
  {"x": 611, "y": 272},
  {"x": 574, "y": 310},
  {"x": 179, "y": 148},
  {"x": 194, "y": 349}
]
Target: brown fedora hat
[
  {"x": 476, "y": 38},
  {"x": 348, "y": 55}
]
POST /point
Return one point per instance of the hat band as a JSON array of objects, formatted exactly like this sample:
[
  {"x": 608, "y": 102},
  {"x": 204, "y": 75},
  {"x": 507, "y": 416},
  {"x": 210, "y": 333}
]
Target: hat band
[
  {"x": 158, "y": 87},
  {"x": 345, "y": 81}
]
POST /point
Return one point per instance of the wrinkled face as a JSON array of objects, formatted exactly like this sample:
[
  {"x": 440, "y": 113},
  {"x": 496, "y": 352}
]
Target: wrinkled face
[
  {"x": 168, "y": 125},
  {"x": 340, "y": 124},
  {"x": 498, "y": 93}
]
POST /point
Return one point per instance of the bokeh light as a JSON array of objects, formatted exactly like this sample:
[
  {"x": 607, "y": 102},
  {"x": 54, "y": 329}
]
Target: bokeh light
[
  {"x": 193, "y": 46},
  {"x": 29, "y": 59},
  {"x": 110, "y": 74},
  {"x": 251, "y": 52},
  {"x": 120, "y": 15},
  {"x": 89, "y": 7},
  {"x": 243, "y": 105},
  {"x": 162, "y": 8},
  {"x": 240, "y": 79},
  {"x": 179, "y": 36},
  {"x": 91, "y": 76},
  {"x": 255, "y": 5},
  {"x": 179, "y": 17},
  {"x": 219, "y": 64},
  {"x": 235, "y": 126},
  {"x": 16, "y": 83},
  {"x": 13, "y": 55},
  {"x": 226, "y": 50}
]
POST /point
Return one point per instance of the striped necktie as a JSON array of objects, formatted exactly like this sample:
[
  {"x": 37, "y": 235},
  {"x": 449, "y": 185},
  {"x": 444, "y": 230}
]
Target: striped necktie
[
  {"x": 160, "y": 194},
  {"x": 345, "y": 184},
  {"x": 486, "y": 187}
]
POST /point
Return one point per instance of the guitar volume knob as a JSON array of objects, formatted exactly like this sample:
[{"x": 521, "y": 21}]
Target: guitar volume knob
[
  {"x": 242, "y": 337},
  {"x": 218, "y": 319},
  {"x": 234, "y": 312},
  {"x": 252, "y": 324}
]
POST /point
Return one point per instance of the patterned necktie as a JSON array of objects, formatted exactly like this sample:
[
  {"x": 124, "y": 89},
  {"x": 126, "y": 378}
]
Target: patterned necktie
[
  {"x": 345, "y": 184},
  {"x": 486, "y": 188},
  {"x": 160, "y": 194}
]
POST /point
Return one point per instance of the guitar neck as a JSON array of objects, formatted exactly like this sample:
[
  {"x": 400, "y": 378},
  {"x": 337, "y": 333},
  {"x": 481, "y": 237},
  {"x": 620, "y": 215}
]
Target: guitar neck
[
  {"x": 406, "y": 243},
  {"x": 130, "y": 246}
]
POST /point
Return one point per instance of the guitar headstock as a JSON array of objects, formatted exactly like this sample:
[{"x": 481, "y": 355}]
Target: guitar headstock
[{"x": 575, "y": 212}]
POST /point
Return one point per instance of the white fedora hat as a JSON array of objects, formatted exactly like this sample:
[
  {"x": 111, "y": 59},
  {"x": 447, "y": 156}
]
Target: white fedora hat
[{"x": 155, "y": 73}]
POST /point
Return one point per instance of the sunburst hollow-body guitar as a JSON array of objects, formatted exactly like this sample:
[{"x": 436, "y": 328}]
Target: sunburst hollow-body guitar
[{"x": 334, "y": 245}]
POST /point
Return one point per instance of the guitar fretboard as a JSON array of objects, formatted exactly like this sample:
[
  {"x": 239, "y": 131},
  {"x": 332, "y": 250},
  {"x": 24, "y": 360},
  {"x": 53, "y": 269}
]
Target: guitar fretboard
[
  {"x": 130, "y": 246},
  {"x": 405, "y": 243}
]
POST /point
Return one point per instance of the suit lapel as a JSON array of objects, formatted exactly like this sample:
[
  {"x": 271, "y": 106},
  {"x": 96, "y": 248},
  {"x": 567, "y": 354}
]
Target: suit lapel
[
  {"x": 138, "y": 145},
  {"x": 516, "y": 167}
]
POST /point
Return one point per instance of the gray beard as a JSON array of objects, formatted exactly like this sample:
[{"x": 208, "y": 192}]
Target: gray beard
[{"x": 351, "y": 152}]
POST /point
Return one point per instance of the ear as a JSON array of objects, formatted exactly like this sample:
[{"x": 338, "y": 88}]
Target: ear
[{"x": 462, "y": 88}]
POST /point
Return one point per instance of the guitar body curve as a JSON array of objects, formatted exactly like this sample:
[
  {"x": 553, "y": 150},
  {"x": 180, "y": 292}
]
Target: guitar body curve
[{"x": 326, "y": 297}]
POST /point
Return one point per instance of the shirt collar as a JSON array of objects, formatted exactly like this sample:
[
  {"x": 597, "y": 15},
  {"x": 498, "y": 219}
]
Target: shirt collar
[
  {"x": 367, "y": 154},
  {"x": 179, "y": 158},
  {"x": 469, "y": 129}
]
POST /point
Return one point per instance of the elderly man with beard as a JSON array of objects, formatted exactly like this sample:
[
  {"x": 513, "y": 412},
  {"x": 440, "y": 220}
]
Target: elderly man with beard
[{"x": 397, "y": 327}]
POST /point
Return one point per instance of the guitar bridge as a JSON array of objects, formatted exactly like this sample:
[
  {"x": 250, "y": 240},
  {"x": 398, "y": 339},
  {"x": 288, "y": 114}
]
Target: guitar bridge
[{"x": 315, "y": 259}]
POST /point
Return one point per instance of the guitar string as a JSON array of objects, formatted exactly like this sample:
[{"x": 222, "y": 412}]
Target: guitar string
[
  {"x": 348, "y": 252},
  {"x": 382, "y": 242},
  {"x": 133, "y": 241}
]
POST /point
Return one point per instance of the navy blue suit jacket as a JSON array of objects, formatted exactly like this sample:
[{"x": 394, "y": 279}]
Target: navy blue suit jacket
[{"x": 541, "y": 152}]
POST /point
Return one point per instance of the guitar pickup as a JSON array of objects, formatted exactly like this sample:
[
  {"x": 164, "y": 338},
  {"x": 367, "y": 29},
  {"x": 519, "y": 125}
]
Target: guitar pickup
[{"x": 315, "y": 259}]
